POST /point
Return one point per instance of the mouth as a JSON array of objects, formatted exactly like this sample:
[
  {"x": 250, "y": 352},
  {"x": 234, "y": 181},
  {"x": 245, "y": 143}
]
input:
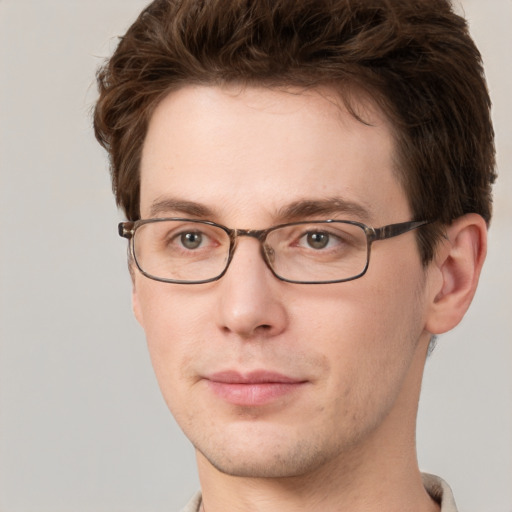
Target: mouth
[{"x": 252, "y": 389}]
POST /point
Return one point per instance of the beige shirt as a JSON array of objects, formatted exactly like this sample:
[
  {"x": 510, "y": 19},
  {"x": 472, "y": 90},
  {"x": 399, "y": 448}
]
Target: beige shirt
[{"x": 435, "y": 486}]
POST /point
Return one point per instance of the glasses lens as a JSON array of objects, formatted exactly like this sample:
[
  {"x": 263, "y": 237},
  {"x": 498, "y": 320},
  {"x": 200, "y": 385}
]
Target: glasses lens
[
  {"x": 318, "y": 251},
  {"x": 174, "y": 250}
]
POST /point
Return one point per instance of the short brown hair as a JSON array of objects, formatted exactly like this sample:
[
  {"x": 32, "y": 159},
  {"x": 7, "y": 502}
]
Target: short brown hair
[{"x": 414, "y": 58}]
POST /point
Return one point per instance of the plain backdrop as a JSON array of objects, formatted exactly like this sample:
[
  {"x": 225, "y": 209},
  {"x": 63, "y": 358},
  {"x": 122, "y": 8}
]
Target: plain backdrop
[{"x": 82, "y": 425}]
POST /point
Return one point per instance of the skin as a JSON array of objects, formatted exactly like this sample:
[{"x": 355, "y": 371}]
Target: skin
[{"x": 343, "y": 436}]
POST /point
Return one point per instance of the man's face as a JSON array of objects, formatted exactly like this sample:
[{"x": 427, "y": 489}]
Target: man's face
[{"x": 269, "y": 378}]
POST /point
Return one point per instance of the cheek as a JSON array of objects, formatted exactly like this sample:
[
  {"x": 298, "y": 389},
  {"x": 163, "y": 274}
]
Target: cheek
[
  {"x": 369, "y": 331},
  {"x": 171, "y": 329}
]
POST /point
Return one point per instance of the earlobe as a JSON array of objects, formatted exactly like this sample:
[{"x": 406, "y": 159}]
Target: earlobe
[{"x": 458, "y": 262}]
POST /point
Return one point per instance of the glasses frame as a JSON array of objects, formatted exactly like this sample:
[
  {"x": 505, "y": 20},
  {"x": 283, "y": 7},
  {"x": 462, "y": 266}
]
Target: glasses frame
[{"x": 127, "y": 229}]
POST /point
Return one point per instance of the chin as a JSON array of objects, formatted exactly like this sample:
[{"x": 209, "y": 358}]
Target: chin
[{"x": 269, "y": 462}]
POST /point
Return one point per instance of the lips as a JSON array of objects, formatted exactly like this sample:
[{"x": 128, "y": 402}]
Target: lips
[{"x": 256, "y": 388}]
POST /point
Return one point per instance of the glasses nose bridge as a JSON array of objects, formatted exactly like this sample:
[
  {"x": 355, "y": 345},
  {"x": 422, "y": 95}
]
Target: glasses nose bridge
[{"x": 260, "y": 235}]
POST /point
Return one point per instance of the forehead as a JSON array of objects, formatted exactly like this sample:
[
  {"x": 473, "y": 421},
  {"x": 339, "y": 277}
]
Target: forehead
[{"x": 256, "y": 149}]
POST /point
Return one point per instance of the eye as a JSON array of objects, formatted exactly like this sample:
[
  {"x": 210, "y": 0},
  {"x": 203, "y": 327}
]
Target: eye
[
  {"x": 191, "y": 240},
  {"x": 317, "y": 239}
]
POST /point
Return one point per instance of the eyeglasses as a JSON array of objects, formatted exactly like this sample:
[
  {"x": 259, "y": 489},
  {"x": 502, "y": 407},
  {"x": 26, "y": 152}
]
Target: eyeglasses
[{"x": 189, "y": 251}]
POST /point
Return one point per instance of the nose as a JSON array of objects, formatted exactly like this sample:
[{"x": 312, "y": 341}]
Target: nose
[{"x": 250, "y": 301}]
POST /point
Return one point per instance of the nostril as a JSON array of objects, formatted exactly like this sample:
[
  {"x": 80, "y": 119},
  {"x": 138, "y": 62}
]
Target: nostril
[{"x": 263, "y": 331}]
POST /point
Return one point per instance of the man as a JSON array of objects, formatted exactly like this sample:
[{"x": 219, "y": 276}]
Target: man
[{"x": 261, "y": 151}]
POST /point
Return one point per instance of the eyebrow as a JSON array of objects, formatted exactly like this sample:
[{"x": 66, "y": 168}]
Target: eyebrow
[
  {"x": 169, "y": 205},
  {"x": 307, "y": 208},
  {"x": 297, "y": 210}
]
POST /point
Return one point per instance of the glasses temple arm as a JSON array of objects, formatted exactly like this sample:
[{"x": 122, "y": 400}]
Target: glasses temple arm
[{"x": 392, "y": 230}]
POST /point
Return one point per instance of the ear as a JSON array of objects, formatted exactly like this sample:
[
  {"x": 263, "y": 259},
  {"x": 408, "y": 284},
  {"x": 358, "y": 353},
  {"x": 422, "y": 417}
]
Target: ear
[{"x": 456, "y": 267}]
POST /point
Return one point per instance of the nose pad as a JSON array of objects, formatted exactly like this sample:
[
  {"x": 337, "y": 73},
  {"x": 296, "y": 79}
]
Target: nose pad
[{"x": 268, "y": 253}]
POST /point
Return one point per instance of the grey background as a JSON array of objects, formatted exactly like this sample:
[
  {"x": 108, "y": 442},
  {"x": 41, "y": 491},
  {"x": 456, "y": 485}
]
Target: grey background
[{"x": 82, "y": 423}]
